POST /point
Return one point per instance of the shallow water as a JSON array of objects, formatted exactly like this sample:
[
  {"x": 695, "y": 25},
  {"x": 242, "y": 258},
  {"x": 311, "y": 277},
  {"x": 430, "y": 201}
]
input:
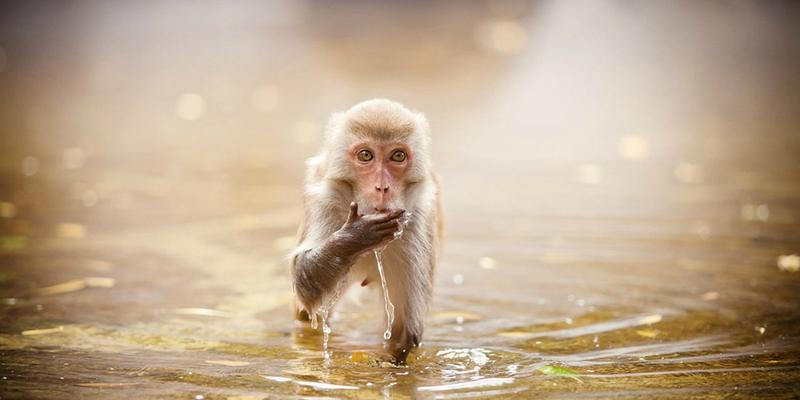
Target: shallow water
[
  {"x": 621, "y": 241},
  {"x": 624, "y": 307}
]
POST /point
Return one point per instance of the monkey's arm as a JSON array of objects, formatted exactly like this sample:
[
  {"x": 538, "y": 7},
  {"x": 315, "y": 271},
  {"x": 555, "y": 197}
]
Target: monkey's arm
[{"x": 317, "y": 270}]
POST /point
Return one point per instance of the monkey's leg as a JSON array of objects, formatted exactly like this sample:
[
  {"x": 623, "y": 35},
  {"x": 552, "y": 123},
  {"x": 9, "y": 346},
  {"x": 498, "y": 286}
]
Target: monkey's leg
[{"x": 407, "y": 327}]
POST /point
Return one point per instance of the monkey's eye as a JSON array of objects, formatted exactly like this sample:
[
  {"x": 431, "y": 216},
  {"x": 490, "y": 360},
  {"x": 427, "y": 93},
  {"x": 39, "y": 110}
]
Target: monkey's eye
[
  {"x": 399, "y": 156},
  {"x": 364, "y": 155}
]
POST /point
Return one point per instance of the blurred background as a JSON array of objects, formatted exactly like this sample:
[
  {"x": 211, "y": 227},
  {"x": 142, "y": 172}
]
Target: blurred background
[{"x": 621, "y": 182}]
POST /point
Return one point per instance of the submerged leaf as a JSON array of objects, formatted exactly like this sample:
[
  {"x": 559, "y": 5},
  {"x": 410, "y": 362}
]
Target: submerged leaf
[{"x": 554, "y": 370}]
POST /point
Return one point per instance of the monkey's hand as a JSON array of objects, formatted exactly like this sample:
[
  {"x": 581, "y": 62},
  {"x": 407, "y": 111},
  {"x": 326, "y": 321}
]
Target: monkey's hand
[{"x": 361, "y": 233}]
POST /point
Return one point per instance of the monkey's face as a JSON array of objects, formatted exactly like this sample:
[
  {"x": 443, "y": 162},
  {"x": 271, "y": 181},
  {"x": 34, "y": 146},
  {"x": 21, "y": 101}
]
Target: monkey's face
[{"x": 380, "y": 171}]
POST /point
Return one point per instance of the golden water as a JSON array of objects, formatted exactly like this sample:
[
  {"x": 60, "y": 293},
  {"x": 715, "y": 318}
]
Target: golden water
[{"x": 621, "y": 187}]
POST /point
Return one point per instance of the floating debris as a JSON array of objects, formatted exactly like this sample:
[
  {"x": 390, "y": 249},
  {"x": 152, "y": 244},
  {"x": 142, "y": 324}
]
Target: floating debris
[
  {"x": 789, "y": 263},
  {"x": 761, "y": 329},
  {"x": 648, "y": 333},
  {"x": 553, "y": 370},
  {"x": 46, "y": 331},
  {"x": 75, "y": 285},
  {"x": 228, "y": 363}
]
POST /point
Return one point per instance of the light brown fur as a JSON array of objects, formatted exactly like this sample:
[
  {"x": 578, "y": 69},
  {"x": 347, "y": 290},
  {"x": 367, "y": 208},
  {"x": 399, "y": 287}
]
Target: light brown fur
[{"x": 329, "y": 189}]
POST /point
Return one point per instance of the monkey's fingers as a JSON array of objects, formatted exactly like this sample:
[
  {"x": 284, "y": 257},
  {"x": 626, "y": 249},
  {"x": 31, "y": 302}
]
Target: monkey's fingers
[
  {"x": 353, "y": 213},
  {"x": 391, "y": 224},
  {"x": 386, "y": 235},
  {"x": 388, "y": 216}
]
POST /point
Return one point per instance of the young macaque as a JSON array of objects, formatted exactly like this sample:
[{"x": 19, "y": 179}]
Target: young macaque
[{"x": 374, "y": 170}]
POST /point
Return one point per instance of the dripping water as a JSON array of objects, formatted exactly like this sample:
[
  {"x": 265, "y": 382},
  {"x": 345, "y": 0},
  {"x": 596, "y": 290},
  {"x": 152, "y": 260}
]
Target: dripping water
[
  {"x": 322, "y": 312},
  {"x": 387, "y": 303}
]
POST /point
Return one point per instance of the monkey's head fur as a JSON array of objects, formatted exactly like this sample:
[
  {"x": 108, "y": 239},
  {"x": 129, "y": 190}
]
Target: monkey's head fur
[{"x": 378, "y": 147}]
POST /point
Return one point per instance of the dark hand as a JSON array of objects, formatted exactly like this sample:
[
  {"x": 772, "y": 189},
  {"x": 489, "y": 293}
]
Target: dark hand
[{"x": 361, "y": 233}]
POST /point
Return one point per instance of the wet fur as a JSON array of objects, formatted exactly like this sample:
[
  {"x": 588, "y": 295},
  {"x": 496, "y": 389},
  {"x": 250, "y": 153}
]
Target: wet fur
[{"x": 409, "y": 262}]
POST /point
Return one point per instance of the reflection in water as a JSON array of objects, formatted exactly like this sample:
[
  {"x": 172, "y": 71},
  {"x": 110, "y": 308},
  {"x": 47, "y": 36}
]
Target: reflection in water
[{"x": 621, "y": 184}]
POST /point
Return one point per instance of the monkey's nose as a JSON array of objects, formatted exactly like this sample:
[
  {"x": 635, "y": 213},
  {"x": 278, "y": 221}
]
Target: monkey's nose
[{"x": 382, "y": 189}]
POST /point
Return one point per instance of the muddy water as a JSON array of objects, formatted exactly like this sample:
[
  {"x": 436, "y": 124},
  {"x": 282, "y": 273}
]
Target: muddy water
[{"x": 614, "y": 231}]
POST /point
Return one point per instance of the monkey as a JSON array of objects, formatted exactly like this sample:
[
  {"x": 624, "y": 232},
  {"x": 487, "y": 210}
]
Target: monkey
[{"x": 373, "y": 171}]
